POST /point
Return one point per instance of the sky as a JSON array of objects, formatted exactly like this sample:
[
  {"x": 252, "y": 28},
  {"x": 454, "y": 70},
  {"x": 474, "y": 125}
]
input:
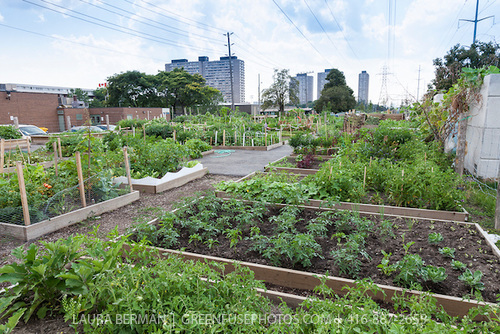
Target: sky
[{"x": 80, "y": 43}]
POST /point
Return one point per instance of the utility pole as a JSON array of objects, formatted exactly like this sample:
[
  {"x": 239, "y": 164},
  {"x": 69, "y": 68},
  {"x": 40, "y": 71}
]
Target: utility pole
[
  {"x": 230, "y": 67},
  {"x": 476, "y": 21}
]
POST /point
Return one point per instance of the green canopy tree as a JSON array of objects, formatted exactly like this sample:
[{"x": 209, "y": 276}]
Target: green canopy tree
[
  {"x": 449, "y": 68},
  {"x": 283, "y": 89},
  {"x": 133, "y": 89},
  {"x": 336, "y": 96},
  {"x": 99, "y": 100},
  {"x": 181, "y": 90}
]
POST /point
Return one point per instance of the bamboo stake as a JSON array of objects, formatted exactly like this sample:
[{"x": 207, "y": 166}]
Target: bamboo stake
[
  {"x": 2, "y": 154},
  {"x": 59, "y": 146},
  {"x": 127, "y": 169},
  {"x": 54, "y": 146},
  {"x": 22, "y": 191},
  {"x": 80, "y": 179},
  {"x": 364, "y": 179}
]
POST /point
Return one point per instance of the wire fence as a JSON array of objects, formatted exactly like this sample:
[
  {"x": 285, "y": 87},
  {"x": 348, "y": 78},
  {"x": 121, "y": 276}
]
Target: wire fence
[{"x": 43, "y": 204}]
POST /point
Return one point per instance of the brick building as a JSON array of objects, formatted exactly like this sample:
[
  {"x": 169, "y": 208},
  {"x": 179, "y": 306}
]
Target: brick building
[{"x": 50, "y": 107}]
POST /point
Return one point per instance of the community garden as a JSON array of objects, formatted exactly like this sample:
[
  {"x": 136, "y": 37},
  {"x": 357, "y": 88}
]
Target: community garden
[{"x": 272, "y": 252}]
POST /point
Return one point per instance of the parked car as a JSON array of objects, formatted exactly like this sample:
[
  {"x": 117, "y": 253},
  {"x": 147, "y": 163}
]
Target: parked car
[
  {"x": 93, "y": 128},
  {"x": 25, "y": 130},
  {"x": 105, "y": 127},
  {"x": 31, "y": 130}
]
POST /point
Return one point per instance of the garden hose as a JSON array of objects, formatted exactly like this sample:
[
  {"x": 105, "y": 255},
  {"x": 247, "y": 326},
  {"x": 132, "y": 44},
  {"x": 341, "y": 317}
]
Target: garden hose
[{"x": 225, "y": 152}]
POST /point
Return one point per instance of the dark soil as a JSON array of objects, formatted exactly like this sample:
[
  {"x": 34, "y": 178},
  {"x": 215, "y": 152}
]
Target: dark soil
[
  {"x": 470, "y": 246},
  {"x": 313, "y": 163}
]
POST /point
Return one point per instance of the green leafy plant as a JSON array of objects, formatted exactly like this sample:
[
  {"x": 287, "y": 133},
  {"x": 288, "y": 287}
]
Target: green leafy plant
[
  {"x": 436, "y": 274},
  {"x": 472, "y": 279},
  {"x": 448, "y": 252},
  {"x": 457, "y": 265},
  {"x": 435, "y": 238}
]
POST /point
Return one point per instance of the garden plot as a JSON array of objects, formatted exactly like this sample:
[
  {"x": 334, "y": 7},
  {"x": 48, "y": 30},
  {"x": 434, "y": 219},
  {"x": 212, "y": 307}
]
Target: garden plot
[
  {"x": 445, "y": 258},
  {"x": 289, "y": 188},
  {"x": 299, "y": 164}
]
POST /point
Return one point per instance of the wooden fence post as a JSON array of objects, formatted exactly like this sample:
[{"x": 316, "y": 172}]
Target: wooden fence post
[
  {"x": 59, "y": 146},
  {"x": 28, "y": 144},
  {"x": 2, "y": 154},
  {"x": 127, "y": 169},
  {"x": 54, "y": 147},
  {"x": 22, "y": 191},
  {"x": 80, "y": 178}
]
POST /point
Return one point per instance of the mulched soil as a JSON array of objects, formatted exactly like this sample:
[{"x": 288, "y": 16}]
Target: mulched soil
[
  {"x": 471, "y": 249},
  {"x": 315, "y": 164}
]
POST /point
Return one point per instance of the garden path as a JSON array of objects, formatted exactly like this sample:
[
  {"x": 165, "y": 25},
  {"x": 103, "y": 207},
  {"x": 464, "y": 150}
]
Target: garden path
[{"x": 243, "y": 162}]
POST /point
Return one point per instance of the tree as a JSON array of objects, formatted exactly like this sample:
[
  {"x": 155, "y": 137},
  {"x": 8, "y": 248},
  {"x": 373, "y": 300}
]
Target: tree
[
  {"x": 336, "y": 96},
  {"x": 178, "y": 88},
  {"x": 284, "y": 88},
  {"x": 80, "y": 94},
  {"x": 99, "y": 100},
  {"x": 133, "y": 89},
  {"x": 448, "y": 69}
]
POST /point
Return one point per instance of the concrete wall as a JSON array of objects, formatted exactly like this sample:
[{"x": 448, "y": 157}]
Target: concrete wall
[{"x": 482, "y": 156}]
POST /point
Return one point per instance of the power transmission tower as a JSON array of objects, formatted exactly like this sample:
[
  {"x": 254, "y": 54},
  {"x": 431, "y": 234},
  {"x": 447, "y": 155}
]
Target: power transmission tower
[
  {"x": 476, "y": 21},
  {"x": 384, "y": 95},
  {"x": 230, "y": 67}
]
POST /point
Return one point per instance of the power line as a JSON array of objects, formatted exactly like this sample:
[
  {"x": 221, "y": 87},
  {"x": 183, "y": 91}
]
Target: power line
[
  {"x": 79, "y": 43},
  {"x": 149, "y": 20},
  {"x": 175, "y": 15},
  {"x": 307, "y": 39},
  {"x": 133, "y": 33},
  {"x": 340, "y": 28}
]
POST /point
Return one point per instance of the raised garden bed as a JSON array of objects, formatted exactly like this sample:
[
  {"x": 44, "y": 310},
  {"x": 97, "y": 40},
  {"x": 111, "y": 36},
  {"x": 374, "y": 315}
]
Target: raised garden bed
[
  {"x": 168, "y": 181},
  {"x": 388, "y": 210},
  {"x": 285, "y": 165},
  {"x": 50, "y": 225},
  {"x": 262, "y": 236},
  {"x": 250, "y": 148}
]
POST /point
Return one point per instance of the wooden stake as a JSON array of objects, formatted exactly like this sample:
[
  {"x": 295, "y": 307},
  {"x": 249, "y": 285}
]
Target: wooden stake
[
  {"x": 224, "y": 138},
  {"x": 80, "y": 179},
  {"x": 216, "y": 134},
  {"x": 22, "y": 191},
  {"x": 144, "y": 131},
  {"x": 59, "y": 147},
  {"x": 127, "y": 169},
  {"x": 133, "y": 131},
  {"x": 54, "y": 147},
  {"x": 175, "y": 135},
  {"x": 266, "y": 140},
  {"x": 234, "y": 138},
  {"x": 2, "y": 154},
  {"x": 364, "y": 179},
  {"x": 28, "y": 144}
]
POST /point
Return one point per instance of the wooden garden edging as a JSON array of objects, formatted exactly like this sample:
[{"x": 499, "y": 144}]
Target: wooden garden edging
[
  {"x": 385, "y": 210},
  {"x": 296, "y": 279},
  {"x": 153, "y": 186},
  {"x": 50, "y": 225}
]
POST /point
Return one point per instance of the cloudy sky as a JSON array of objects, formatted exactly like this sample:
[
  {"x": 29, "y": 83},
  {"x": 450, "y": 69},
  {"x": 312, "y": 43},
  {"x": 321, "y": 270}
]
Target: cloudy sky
[{"x": 79, "y": 43}]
